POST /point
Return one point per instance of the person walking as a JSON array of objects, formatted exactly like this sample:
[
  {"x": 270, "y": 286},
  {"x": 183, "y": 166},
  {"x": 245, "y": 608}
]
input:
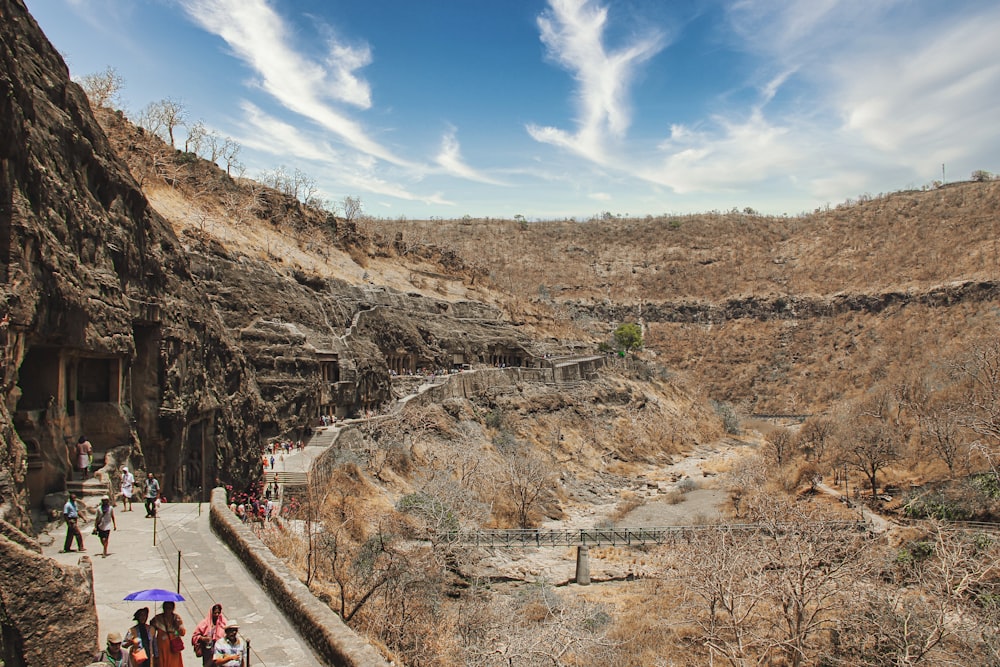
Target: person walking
[
  {"x": 104, "y": 522},
  {"x": 209, "y": 630},
  {"x": 112, "y": 654},
  {"x": 168, "y": 628},
  {"x": 128, "y": 488},
  {"x": 229, "y": 650},
  {"x": 139, "y": 640},
  {"x": 152, "y": 493},
  {"x": 71, "y": 515}
]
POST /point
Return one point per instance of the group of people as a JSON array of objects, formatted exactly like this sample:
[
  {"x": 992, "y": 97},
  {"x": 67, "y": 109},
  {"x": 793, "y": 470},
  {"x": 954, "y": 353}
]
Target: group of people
[
  {"x": 104, "y": 523},
  {"x": 215, "y": 641},
  {"x": 104, "y": 517},
  {"x": 250, "y": 506},
  {"x": 150, "y": 492}
]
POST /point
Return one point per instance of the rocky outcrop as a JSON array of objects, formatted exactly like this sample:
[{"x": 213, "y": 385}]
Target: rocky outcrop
[
  {"x": 788, "y": 307},
  {"x": 46, "y": 609},
  {"x": 104, "y": 330}
]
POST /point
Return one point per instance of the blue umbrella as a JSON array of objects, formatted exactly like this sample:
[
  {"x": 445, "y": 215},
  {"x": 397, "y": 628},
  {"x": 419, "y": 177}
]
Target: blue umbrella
[{"x": 156, "y": 595}]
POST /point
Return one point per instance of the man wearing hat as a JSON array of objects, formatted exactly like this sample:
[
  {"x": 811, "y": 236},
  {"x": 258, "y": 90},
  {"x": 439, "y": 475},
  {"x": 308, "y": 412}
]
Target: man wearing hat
[
  {"x": 128, "y": 488},
  {"x": 104, "y": 522},
  {"x": 113, "y": 654},
  {"x": 230, "y": 649}
]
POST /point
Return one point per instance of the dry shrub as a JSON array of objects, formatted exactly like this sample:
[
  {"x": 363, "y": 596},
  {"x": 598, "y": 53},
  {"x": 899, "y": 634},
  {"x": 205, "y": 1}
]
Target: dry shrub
[
  {"x": 358, "y": 256},
  {"x": 674, "y": 497},
  {"x": 629, "y": 502}
]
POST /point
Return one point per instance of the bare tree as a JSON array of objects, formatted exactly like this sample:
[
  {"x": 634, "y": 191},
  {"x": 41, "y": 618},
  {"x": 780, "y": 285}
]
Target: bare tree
[
  {"x": 537, "y": 628},
  {"x": 103, "y": 89},
  {"x": 230, "y": 153},
  {"x": 982, "y": 372},
  {"x": 872, "y": 439},
  {"x": 163, "y": 118},
  {"x": 772, "y": 594},
  {"x": 814, "y": 436},
  {"x": 779, "y": 445},
  {"x": 195, "y": 138},
  {"x": 942, "y": 433},
  {"x": 351, "y": 207},
  {"x": 525, "y": 477}
]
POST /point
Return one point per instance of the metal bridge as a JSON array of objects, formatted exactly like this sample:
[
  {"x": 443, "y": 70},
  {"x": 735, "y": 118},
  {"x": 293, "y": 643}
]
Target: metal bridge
[{"x": 594, "y": 537}]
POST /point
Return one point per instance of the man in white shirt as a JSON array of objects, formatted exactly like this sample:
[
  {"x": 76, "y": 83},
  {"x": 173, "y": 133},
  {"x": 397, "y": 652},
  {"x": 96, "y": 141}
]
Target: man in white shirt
[
  {"x": 128, "y": 488},
  {"x": 230, "y": 649}
]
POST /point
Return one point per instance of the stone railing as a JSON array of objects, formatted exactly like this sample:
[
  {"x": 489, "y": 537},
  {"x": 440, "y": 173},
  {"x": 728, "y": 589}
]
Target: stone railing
[{"x": 335, "y": 643}]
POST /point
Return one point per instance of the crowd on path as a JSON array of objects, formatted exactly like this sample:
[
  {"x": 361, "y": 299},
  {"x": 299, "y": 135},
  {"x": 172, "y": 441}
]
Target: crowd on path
[
  {"x": 104, "y": 517},
  {"x": 160, "y": 642}
]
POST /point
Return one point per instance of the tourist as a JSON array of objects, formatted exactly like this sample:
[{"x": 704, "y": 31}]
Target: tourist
[
  {"x": 84, "y": 455},
  {"x": 139, "y": 640},
  {"x": 152, "y": 493},
  {"x": 112, "y": 654},
  {"x": 168, "y": 628},
  {"x": 71, "y": 515},
  {"x": 128, "y": 488},
  {"x": 229, "y": 650},
  {"x": 211, "y": 629},
  {"x": 104, "y": 522}
]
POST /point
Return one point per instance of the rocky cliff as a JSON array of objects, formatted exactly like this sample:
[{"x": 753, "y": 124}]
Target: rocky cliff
[{"x": 175, "y": 354}]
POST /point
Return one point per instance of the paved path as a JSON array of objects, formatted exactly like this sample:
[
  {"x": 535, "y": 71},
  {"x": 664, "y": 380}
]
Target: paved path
[
  {"x": 209, "y": 573},
  {"x": 878, "y": 522}
]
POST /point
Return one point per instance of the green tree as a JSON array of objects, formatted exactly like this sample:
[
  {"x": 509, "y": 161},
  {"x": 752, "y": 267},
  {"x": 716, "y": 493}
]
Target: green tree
[{"x": 628, "y": 337}]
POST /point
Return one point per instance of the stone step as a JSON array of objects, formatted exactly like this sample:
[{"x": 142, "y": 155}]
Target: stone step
[
  {"x": 87, "y": 489},
  {"x": 283, "y": 477}
]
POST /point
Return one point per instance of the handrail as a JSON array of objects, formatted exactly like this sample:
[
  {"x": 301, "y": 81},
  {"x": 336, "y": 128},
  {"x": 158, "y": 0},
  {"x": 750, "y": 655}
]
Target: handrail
[{"x": 520, "y": 537}]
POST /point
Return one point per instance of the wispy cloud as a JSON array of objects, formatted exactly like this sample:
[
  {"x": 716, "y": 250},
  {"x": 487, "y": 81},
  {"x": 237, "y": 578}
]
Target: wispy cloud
[
  {"x": 257, "y": 35},
  {"x": 929, "y": 99},
  {"x": 850, "y": 93},
  {"x": 349, "y": 172},
  {"x": 450, "y": 159},
  {"x": 573, "y": 33}
]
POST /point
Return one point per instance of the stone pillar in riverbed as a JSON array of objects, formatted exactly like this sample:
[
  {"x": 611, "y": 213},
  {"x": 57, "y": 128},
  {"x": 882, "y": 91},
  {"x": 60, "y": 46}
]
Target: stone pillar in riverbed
[{"x": 583, "y": 565}]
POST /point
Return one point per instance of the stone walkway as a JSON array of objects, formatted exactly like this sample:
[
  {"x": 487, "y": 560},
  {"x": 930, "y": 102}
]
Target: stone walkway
[{"x": 209, "y": 573}]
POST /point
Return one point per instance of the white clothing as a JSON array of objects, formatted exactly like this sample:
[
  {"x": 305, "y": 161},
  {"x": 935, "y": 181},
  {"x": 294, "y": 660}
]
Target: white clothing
[
  {"x": 105, "y": 518},
  {"x": 128, "y": 484}
]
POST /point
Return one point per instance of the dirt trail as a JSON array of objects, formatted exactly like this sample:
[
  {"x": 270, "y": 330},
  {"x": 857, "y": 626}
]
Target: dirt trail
[{"x": 664, "y": 502}]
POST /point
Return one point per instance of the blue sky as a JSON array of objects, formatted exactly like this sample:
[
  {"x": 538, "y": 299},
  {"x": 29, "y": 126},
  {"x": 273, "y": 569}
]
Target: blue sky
[{"x": 557, "y": 108}]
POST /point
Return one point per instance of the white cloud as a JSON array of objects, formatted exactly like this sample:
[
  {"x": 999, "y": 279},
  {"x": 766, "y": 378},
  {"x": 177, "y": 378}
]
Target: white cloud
[
  {"x": 732, "y": 155},
  {"x": 450, "y": 159},
  {"x": 258, "y": 36},
  {"x": 933, "y": 98},
  {"x": 573, "y": 34},
  {"x": 349, "y": 171},
  {"x": 266, "y": 133}
]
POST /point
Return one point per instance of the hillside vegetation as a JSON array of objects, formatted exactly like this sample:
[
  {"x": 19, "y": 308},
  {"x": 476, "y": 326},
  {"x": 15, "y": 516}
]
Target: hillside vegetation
[{"x": 875, "y": 319}]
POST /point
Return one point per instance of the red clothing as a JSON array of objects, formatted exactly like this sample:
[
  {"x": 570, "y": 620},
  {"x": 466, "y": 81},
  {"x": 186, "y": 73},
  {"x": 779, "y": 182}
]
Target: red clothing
[{"x": 205, "y": 629}]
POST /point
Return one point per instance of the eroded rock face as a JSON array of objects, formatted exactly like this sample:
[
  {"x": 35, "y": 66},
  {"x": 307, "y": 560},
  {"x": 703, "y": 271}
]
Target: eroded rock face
[
  {"x": 47, "y": 609},
  {"x": 177, "y": 358},
  {"x": 105, "y": 331}
]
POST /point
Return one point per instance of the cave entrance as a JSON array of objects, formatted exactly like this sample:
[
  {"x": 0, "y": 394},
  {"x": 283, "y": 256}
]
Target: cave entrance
[
  {"x": 144, "y": 385},
  {"x": 330, "y": 370},
  {"x": 197, "y": 476},
  {"x": 401, "y": 363},
  {"x": 39, "y": 378},
  {"x": 65, "y": 394}
]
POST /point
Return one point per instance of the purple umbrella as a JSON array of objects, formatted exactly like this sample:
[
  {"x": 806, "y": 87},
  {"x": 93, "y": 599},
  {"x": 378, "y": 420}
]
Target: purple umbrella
[{"x": 156, "y": 595}]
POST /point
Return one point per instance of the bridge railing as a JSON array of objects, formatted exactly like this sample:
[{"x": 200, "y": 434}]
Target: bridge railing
[{"x": 626, "y": 536}]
